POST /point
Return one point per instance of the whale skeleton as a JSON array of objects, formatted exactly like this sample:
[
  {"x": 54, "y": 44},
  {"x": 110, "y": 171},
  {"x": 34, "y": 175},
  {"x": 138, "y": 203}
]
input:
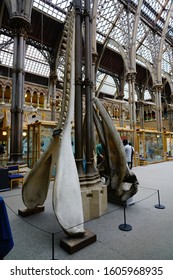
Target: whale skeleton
[
  {"x": 66, "y": 196},
  {"x": 121, "y": 182}
]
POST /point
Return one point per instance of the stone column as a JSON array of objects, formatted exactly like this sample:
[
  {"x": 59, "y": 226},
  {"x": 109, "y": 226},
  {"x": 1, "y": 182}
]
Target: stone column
[
  {"x": 38, "y": 100},
  {"x": 44, "y": 101},
  {"x": 31, "y": 97}
]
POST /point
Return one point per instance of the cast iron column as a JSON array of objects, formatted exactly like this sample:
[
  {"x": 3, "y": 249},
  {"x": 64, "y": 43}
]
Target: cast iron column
[
  {"x": 16, "y": 148},
  {"x": 20, "y": 18},
  {"x": 52, "y": 89},
  {"x": 158, "y": 108},
  {"x": 88, "y": 89},
  {"x": 78, "y": 88}
]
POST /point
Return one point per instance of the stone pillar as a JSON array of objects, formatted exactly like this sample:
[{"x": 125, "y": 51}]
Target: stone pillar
[
  {"x": 38, "y": 100},
  {"x": 44, "y": 101},
  {"x": 31, "y": 97}
]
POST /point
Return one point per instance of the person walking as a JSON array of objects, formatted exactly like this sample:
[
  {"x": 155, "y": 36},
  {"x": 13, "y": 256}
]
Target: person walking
[
  {"x": 128, "y": 152},
  {"x": 133, "y": 151}
]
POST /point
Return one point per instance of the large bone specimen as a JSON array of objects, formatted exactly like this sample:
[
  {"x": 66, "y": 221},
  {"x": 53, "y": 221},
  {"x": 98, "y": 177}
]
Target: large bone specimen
[
  {"x": 121, "y": 182},
  {"x": 66, "y": 198}
]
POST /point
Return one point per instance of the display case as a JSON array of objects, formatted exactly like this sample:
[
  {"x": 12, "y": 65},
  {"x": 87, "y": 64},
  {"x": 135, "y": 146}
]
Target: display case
[
  {"x": 127, "y": 134},
  {"x": 39, "y": 135},
  {"x": 168, "y": 145},
  {"x": 150, "y": 145}
]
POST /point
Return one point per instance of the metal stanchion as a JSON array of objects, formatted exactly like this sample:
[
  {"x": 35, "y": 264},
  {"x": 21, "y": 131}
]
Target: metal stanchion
[
  {"x": 53, "y": 248},
  {"x": 125, "y": 226},
  {"x": 159, "y": 206}
]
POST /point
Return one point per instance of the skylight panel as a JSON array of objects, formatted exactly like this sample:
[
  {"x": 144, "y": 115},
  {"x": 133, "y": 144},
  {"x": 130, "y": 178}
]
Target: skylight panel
[
  {"x": 166, "y": 59},
  {"x": 100, "y": 38},
  {"x": 154, "y": 5},
  {"x": 145, "y": 53},
  {"x": 135, "y": 1},
  {"x": 147, "y": 95},
  {"x": 160, "y": 24},
  {"x": 126, "y": 93},
  {"x": 166, "y": 66},
  {"x": 35, "y": 62},
  {"x": 53, "y": 8},
  {"x": 6, "y": 53},
  {"x": 108, "y": 86},
  {"x": 6, "y": 58}
]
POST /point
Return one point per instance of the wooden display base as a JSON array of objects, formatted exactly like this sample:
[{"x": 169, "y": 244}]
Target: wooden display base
[
  {"x": 28, "y": 212},
  {"x": 72, "y": 245}
]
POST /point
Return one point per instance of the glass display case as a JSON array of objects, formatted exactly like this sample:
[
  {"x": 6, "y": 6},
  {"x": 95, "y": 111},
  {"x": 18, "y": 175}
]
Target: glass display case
[
  {"x": 168, "y": 145},
  {"x": 150, "y": 145},
  {"x": 39, "y": 135},
  {"x": 126, "y": 134}
]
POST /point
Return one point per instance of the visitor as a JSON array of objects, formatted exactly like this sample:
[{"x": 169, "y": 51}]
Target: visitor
[
  {"x": 128, "y": 152},
  {"x": 133, "y": 151},
  {"x": 99, "y": 152}
]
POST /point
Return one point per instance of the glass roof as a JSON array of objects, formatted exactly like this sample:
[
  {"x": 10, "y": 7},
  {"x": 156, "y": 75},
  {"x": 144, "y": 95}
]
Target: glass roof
[
  {"x": 108, "y": 87},
  {"x": 112, "y": 19}
]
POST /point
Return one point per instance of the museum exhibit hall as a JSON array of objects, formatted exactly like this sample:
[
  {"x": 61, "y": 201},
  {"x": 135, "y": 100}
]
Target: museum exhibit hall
[{"x": 86, "y": 129}]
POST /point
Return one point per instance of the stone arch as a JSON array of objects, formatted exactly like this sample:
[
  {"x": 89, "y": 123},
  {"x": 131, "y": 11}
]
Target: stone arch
[
  {"x": 41, "y": 98},
  {"x": 28, "y": 94},
  {"x": 7, "y": 93},
  {"x": 34, "y": 98}
]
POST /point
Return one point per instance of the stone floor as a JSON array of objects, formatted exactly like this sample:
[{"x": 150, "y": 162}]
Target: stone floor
[{"x": 151, "y": 237}]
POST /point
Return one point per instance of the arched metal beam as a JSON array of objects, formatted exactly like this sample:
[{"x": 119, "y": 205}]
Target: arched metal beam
[
  {"x": 132, "y": 53},
  {"x": 159, "y": 58},
  {"x": 107, "y": 40}
]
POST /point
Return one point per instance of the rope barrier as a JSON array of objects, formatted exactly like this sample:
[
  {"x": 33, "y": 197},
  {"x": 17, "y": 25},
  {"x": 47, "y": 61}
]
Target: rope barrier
[{"x": 124, "y": 226}]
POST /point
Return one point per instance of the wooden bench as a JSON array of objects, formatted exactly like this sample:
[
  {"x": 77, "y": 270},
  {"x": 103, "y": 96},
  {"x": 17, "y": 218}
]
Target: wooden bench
[{"x": 14, "y": 175}]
